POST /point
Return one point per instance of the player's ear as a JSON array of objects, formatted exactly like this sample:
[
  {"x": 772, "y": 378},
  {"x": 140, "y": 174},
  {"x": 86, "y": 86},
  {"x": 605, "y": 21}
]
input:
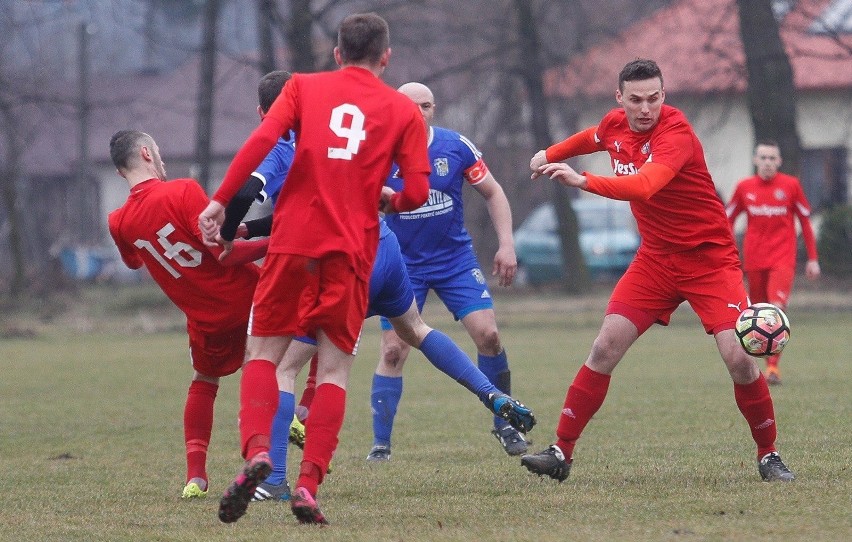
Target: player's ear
[
  {"x": 385, "y": 59},
  {"x": 618, "y": 97},
  {"x": 337, "y": 57},
  {"x": 662, "y": 95}
]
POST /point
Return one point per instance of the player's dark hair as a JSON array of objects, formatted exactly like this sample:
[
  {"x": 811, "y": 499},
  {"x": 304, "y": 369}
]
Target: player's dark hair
[
  {"x": 123, "y": 145},
  {"x": 639, "y": 70},
  {"x": 270, "y": 87},
  {"x": 363, "y": 37}
]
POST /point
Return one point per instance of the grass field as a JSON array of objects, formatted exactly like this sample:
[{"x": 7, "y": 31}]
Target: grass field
[{"x": 91, "y": 444}]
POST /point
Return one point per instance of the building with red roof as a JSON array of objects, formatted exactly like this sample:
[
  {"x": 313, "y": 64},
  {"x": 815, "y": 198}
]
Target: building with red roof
[{"x": 698, "y": 47}]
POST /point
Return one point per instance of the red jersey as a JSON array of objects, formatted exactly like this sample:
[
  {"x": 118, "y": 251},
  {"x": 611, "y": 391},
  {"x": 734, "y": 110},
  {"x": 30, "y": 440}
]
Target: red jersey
[
  {"x": 350, "y": 127},
  {"x": 158, "y": 227},
  {"x": 686, "y": 211},
  {"x": 770, "y": 205}
]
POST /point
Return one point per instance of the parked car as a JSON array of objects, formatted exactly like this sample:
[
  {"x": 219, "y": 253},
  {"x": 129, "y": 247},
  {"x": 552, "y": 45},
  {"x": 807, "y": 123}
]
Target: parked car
[{"x": 608, "y": 239}]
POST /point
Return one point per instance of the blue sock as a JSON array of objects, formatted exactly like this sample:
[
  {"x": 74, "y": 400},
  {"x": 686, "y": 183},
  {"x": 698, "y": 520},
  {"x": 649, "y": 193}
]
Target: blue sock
[
  {"x": 384, "y": 399},
  {"x": 496, "y": 368},
  {"x": 447, "y": 357},
  {"x": 280, "y": 437}
]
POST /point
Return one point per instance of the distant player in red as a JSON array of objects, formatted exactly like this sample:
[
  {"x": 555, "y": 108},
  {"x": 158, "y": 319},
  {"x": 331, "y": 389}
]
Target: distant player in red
[
  {"x": 687, "y": 254},
  {"x": 772, "y": 200},
  {"x": 158, "y": 227},
  {"x": 350, "y": 127}
]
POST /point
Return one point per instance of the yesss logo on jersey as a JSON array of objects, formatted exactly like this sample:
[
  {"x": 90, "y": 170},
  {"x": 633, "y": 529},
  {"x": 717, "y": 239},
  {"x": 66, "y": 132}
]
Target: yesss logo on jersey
[
  {"x": 623, "y": 169},
  {"x": 767, "y": 210}
]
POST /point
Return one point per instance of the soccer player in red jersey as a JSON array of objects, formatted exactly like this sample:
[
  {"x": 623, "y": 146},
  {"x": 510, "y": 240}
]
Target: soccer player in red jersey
[
  {"x": 687, "y": 253},
  {"x": 158, "y": 227},
  {"x": 771, "y": 201},
  {"x": 350, "y": 127}
]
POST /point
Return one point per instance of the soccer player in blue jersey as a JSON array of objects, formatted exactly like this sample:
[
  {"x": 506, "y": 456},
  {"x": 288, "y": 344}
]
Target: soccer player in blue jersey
[
  {"x": 439, "y": 256},
  {"x": 390, "y": 296}
]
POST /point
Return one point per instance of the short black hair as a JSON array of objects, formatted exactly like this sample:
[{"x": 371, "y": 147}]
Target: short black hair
[
  {"x": 123, "y": 145},
  {"x": 363, "y": 37},
  {"x": 768, "y": 143},
  {"x": 270, "y": 87},
  {"x": 639, "y": 70}
]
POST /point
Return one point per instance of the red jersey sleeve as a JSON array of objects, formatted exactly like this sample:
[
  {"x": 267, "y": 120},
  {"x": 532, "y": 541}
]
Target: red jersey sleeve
[
  {"x": 584, "y": 142},
  {"x": 413, "y": 160},
  {"x": 736, "y": 206},
  {"x": 279, "y": 120},
  {"x": 128, "y": 255},
  {"x": 642, "y": 185},
  {"x": 802, "y": 208}
]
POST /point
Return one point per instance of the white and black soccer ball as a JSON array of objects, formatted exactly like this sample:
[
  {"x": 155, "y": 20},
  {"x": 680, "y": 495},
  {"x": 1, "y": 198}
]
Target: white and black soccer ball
[{"x": 763, "y": 329}]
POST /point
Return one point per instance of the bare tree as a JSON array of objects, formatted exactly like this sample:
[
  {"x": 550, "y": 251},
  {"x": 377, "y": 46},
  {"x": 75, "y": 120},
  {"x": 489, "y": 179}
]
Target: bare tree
[
  {"x": 531, "y": 69},
  {"x": 206, "y": 88},
  {"x": 9, "y": 177},
  {"x": 771, "y": 93},
  {"x": 266, "y": 17}
]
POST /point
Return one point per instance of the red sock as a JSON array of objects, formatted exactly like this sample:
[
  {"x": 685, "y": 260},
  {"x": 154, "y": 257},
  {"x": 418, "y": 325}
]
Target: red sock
[
  {"x": 585, "y": 396},
  {"x": 197, "y": 426},
  {"x": 310, "y": 385},
  {"x": 258, "y": 403},
  {"x": 755, "y": 402},
  {"x": 772, "y": 363},
  {"x": 321, "y": 435}
]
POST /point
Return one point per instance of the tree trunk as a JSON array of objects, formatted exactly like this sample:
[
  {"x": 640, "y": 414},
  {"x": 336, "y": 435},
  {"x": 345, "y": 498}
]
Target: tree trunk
[
  {"x": 206, "y": 83},
  {"x": 9, "y": 176},
  {"x": 576, "y": 278},
  {"x": 771, "y": 92},
  {"x": 300, "y": 37},
  {"x": 265, "y": 37}
]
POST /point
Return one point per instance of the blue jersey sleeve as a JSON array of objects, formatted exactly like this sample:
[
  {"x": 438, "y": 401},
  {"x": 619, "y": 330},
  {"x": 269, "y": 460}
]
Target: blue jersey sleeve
[{"x": 273, "y": 170}]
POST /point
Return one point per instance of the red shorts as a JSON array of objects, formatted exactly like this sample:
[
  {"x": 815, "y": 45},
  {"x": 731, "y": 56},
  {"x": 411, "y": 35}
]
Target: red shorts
[
  {"x": 219, "y": 353},
  {"x": 771, "y": 285},
  {"x": 297, "y": 296},
  {"x": 708, "y": 277}
]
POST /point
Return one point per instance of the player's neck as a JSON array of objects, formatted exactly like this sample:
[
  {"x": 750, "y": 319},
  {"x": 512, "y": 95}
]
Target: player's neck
[
  {"x": 375, "y": 69},
  {"x": 138, "y": 177}
]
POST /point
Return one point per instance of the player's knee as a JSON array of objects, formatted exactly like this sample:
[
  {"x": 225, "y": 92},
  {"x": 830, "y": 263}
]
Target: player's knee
[
  {"x": 606, "y": 353},
  {"x": 393, "y": 355},
  {"x": 488, "y": 342}
]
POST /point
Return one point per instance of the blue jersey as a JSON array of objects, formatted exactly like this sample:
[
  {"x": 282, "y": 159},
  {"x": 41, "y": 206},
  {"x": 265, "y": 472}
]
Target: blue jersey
[
  {"x": 273, "y": 170},
  {"x": 435, "y": 233}
]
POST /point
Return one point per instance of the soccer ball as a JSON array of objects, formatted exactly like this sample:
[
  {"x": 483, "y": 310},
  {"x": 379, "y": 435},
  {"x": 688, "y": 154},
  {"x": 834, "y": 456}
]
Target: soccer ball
[{"x": 763, "y": 329}]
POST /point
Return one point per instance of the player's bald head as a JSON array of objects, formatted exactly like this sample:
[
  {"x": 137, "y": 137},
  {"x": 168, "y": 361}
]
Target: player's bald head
[{"x": 418, "y": 92}]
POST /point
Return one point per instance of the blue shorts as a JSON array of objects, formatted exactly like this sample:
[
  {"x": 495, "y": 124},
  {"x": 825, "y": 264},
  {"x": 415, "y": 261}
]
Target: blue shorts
[
  {"x": 390, "y": 288},
  {"x": 461, "y": 286}
]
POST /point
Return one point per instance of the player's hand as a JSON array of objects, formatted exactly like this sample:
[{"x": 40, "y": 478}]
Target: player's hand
[
  {"x": 563, "y": 174},
  {"x": 209, "y": 222},
  {"x": 242, "y": 231},
  {"x": 505, "y": 265},
  {"x": 812, "y": 270},
  {"x": 536, "y": 162},
  {"x": 385, "y": 204},
  {"x": 227, "y": 247}
]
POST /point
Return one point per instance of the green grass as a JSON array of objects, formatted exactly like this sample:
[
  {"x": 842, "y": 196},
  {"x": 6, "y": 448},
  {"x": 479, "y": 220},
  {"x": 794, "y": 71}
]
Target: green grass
[{"x": 91, "y": 444}]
